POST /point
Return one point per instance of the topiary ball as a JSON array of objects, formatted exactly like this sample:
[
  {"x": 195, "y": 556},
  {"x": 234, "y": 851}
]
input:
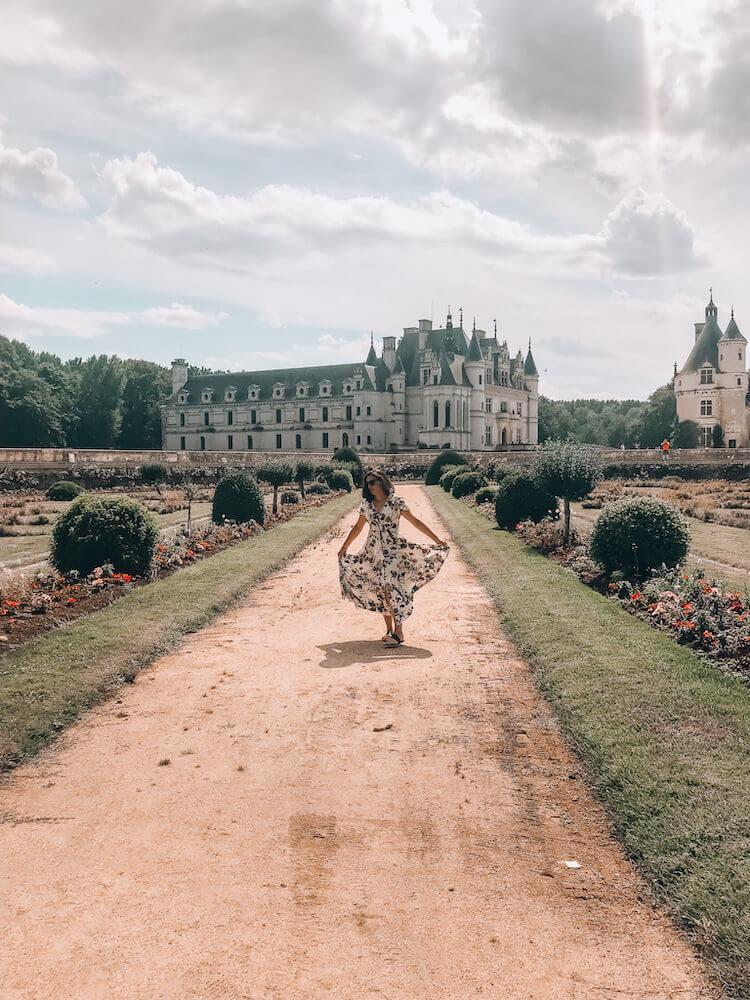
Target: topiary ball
[
  {"x": 637, "y": 534},
  {"x": 486, "y": 494},
  {"x": 64, "y": 490},
  {"x": 318, "y": 489},
  {"x": 340, "y": 479},
  {"x": 96, "y": 530},
  {"x": 448, "y": 475},
  {"x": 353, "y": 468},
  {"x": 238, "y": 498},
  {"x": 153, "y": 473},
  {"x": 445, "y": 458},
  {"x": 520, "y": 498},
  {"x": 466, "y": 483}
]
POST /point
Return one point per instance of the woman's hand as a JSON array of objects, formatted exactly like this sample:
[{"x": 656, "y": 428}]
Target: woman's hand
[{"x": 342, "y": 551}]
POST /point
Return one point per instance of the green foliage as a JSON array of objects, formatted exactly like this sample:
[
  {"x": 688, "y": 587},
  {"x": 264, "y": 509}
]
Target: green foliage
[
  {"x": 153, "y": 473},
  {"x": 353, "y": 468},
  {"x": 686, "y": 434},
  {"x": 99, "y": 402},
  {"x": 486, "y": 494},
  {"x": 276, "y": 474},
  {"x": 445, "y": 458},
  {"x": 608, "y": 422},
  {"x": 466, "y": 483},
  {"x": 64, "y": 490},
  {"x": 290, "y": 496},
  {"x": 497, "y": 471},
  {"x": 637, "y": 534},
  {"x": 303, "y": 474},
  {"x": 95, "y": 530},
  {"x": 346, "y": 455},
  {"x": 717, "y": 436},
  {"x": 238, "y": 498},
  {"x": 318, "y": 489},
  {"x": 448, "y": 474},
  {"x": 145, "y": 387},
  {"x": 568, "y": 469},
  {"x": 520, "y": 498},
  {"x": 658, "y": 418},
  {"x": 340, "y": 479}
]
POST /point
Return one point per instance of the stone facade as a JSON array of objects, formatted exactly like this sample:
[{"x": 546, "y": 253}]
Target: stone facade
[
  {"x": 712, "y": 387},
  {"x": 437, "y": 387}
]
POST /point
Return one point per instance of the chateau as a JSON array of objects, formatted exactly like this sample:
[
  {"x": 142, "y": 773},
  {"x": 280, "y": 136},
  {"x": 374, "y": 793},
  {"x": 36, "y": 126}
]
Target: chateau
[
  {"x": 712, "y": 386},
  {"x": 437, "y": 387}
]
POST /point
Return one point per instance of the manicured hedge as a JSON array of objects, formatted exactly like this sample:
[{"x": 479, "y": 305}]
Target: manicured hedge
[
  {"x": 637, "y": 534},
  {"x": 96, "y": 530},
  {"x": 447, "y": 457},
  {"x": 519, "y": 498},
  {"x": 238, "y": 498}
]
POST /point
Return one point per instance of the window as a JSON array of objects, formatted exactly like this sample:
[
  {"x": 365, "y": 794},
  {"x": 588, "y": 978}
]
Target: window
[
  {"x": 480, "y": 379},
  {"x": 325, "y": 439},
  {"x": 206, "y": 421},
  {"x": 739, "y": 355},
  {"x": 249, "y": 442},
  {"x": 503, "y": 407},
  {"x": 347, "y": 387},
  {"x": 369, "y": 411},
  {"x": 302, "y": 414},
  {"x": 182, "y": 444},
  {"x": 520, "y": 409},
  {"x": 182, "y": 415},
  {"x": 488, "y": 405},
  {"x": 203, "y": 444},
  {"x": 359, "y": 439},
  {"x": 434, "y": 380},
  {"x": 732, "y": 443},
  {"x": 230, "y": 442},
  {"x": 369, "y": 439},
  {"x": 359, "y": 410},
  {"x": 278, "y": 416},
  {"x": 426, "y": 376},
  {"x": 325, "y": 414},
  {"x": 348, "y": 413},
  {"x": 297, "y": 441},
  {"x": 447, "y": 414},
  {"x": 436, "y": 414},
  {"x": 345, "y": 440},
  {"x": 359, "y": 383},
  {"x": 739, "y": 381},
  {"x": 487, "y": 434},
  {"x": 278, "y": 440},
  {"x": 707, "y": 376},
  {"x": 706, "y": 435},
  {"x": 253, "y": 416},
  {"x": 230, "y": 417},
  {"x": 707, "y": 407}
]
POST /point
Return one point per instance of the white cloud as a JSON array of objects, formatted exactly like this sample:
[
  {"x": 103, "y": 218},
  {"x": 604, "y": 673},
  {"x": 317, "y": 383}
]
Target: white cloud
[
  {"x": 24, "y": 259},
  {"x": 36, "y": 174},
  {"x": 20, "y": 320}
]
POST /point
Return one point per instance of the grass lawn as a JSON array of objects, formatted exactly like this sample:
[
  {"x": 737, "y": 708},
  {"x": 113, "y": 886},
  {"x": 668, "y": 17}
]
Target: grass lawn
[
  {"x": 664, "y": 736},
  {"x": 709, "y": 544},
  {"x": 45, "y": 684}
]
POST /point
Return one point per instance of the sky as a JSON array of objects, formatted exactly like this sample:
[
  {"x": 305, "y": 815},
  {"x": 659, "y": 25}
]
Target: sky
[{"x": 252, "y": 184}]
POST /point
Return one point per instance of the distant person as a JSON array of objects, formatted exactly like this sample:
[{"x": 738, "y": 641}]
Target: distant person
[
  {"x": 385, "y": 574},
  {"x": 622, "y": 447},
  {"x": 665, "y": 448}
]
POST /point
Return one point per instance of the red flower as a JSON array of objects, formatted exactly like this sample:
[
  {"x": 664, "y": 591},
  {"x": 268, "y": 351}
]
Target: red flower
[{"x": 71, "y": 600}]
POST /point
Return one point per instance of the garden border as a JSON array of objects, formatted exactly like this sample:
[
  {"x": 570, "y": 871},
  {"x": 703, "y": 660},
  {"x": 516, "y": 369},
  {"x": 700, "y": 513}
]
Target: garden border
[
  {"x": 47, "y": 682},
  {"x": 663, "y": 735}
]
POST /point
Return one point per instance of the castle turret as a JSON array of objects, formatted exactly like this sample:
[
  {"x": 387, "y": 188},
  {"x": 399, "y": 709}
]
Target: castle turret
[
  {"x": 179, "y": 373},
  {"x": 732, "y": 346}
]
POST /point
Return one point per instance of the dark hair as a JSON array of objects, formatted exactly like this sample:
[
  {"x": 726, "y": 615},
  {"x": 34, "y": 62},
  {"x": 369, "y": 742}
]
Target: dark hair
[{"x": 376, "y": 474}]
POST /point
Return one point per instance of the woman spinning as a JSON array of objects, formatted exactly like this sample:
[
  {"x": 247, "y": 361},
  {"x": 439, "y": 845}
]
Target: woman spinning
[{"x": 385, "y": 574}]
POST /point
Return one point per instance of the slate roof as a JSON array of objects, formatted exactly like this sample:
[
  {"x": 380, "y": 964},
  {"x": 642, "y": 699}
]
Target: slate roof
[
  {"x": 475, "y": 351},
  {"x": 732, "y": 331},
  {"x": 288, "y": 377},
  {"x": 529, "y": 368},
  {"x": 705, "y": 350}
]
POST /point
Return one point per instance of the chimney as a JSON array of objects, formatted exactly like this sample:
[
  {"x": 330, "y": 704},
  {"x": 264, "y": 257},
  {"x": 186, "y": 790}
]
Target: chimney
[
  {"x": 179, "y": 374},
  {"x": 481, "y": 334},
  {"x": 425, "y": 325},
  {"x": 389, "y": 352}
]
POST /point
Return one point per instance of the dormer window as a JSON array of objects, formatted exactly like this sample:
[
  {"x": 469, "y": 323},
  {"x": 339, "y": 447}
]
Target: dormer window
[
  {"x": 206, "y": 395},
  {"x": 325, "y": 387},
  {"x": 302, "y": 388},
  {"x": 707, "y": 376},
  {"x": 252, "y": 392},
  {"x": 230, "y": 394},
  {"x": 183, "y": 397},
  {"x": 278, "y": 390},
  {"x": 348, "y": 387}
]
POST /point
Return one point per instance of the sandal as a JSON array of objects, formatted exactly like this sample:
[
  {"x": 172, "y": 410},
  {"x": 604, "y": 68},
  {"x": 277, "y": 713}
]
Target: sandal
[{"x": 393, "y": 640}]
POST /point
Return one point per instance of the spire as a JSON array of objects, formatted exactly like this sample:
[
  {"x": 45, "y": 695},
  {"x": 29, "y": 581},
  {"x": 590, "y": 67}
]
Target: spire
[
  {"x": 529, "y": 367},
  {"x": 495, "y": 322},
  {"x": 711, "y": 309},
  {"x": 474, "y": 323},
  {"x": 372, "y": 358},
  {"x": 475, "y": 351},
  {"x": 449, "y": 320},
  {"x": 461, "y": 317}
]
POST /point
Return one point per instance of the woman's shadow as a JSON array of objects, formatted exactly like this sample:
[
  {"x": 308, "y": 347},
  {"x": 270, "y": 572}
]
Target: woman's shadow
[{"x": 345, "y": 654}]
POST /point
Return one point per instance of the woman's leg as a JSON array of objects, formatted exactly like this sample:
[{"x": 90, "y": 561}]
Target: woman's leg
[{"x": 388, "y": 624}]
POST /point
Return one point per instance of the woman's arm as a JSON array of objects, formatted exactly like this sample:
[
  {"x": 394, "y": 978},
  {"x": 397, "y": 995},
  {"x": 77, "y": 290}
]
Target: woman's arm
[
  {"x": 422, "y": 526},
  {"x": 358, "y": 524}
]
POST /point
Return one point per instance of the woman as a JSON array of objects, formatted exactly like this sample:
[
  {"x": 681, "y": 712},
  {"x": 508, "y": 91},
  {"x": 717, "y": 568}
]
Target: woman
[{"x": 385, "y": 574}]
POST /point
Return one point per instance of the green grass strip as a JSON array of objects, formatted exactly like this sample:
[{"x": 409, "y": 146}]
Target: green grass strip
[
  {"x": 665, "y": 737},
  {"x": 46, "y": 683}
]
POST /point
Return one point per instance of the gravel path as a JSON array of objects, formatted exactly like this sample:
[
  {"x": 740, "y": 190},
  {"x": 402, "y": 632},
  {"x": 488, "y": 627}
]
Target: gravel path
[{"x": 335, "y": 820}]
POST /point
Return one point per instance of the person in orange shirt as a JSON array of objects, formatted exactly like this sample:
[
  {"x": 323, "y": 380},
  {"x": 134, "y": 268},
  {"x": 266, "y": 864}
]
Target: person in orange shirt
[{"x": 665, "y": 447}]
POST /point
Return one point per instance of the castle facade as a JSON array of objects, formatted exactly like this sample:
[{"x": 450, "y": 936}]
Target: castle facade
[{"x": 436, "y": 387}]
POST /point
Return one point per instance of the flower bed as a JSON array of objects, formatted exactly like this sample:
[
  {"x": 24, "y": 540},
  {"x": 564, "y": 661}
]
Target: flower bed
[{"x": 30, "y": 606}]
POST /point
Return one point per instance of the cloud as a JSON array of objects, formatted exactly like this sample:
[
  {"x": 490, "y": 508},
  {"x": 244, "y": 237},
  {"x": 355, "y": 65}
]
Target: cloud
[
  {"x": 20, "y": 320},
  {"x": 24, "y": 260},
  {"x": 35, "y": 174},
  {"x": 158, "y": 208}
]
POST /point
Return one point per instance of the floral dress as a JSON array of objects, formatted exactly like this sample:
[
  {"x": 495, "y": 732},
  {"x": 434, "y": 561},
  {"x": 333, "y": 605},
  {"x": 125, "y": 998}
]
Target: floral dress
[{"x": 385, "y": 574}]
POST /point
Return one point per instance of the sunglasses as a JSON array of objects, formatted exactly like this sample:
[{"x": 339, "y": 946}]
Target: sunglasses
[{"x": 371, "y": 482}]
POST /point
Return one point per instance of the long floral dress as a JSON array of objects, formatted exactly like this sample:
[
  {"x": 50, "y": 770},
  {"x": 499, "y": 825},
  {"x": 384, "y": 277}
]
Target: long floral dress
[{"x": 385, "y": 574}]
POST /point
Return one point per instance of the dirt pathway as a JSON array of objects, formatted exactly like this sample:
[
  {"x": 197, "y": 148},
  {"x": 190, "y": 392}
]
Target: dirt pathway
[{"x": 296, "y": 847}]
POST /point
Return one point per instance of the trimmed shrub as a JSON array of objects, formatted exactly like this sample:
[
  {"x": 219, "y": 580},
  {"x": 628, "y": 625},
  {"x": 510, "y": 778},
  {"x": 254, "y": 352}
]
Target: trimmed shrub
[
  {"x": 318, "y": 489},
  {"x": 353, "y": 468},
  {"x": 290, "y": 496},
  {"x": 448, "y": 475},
  {"x": 486, "y": 494},
  {"x": 447, "y": 457},
  {"x": 340, "y": 479},
  {"x": 637, "y": 534},
  {"x": 569, "y": 470},
  {"x": 96, "y": 530},
  {"x": 238, "y": 498},
  {"x": 466, "y": 483},
  {"x": 64, "y": 490},
  {"x": 276, "y": 474},
  {"x": 153, "y": 473},
  {"x": 520, "y": 498},
  {"x": 500, "y": 471},
  {"x": 304, "y": 472}
]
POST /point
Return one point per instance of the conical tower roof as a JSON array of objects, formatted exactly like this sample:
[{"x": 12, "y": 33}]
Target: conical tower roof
[
  {"x": 475, "y": 351},
  {"x": 732, "y": 331},
  {"x": 705, "y": 350},
  {"x": 398, "y": 368},
  {"x": 529, "y": 368},
  {"x": 446, "y": 375},
  {"x": 372, "y": 358}
]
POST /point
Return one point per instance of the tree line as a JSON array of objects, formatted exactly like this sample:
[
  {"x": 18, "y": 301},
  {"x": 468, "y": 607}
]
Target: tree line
[{"x": 108, "y": 402}]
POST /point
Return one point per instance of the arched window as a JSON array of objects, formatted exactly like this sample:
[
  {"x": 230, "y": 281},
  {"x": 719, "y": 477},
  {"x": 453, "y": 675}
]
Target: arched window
[
  {"x": 436, "y": 414},
  {"x": 203, "y": 444},
  {"x": 249, "y": 442},
  {"x": 298, "y": 441},
  {"x": 345, "y": 440},
  {"x": 504, "y": 437},
  {"x": 447, "y": 414}
]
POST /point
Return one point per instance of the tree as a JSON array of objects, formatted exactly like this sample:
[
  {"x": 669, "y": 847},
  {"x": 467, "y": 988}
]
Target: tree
[
  {"x": 276, "y": 474},
  {"x": 658, "y": 418},
  {"x": 29, "y": 416},
  {"x": 717, "y": 436},
  {"x": 304, "y": 473},
  {"x": 686, "y": 434},
  {"x": 567, "y": 470},
  {"x": 146, "y": 385},
  {"x": 99, "y": 402}
]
